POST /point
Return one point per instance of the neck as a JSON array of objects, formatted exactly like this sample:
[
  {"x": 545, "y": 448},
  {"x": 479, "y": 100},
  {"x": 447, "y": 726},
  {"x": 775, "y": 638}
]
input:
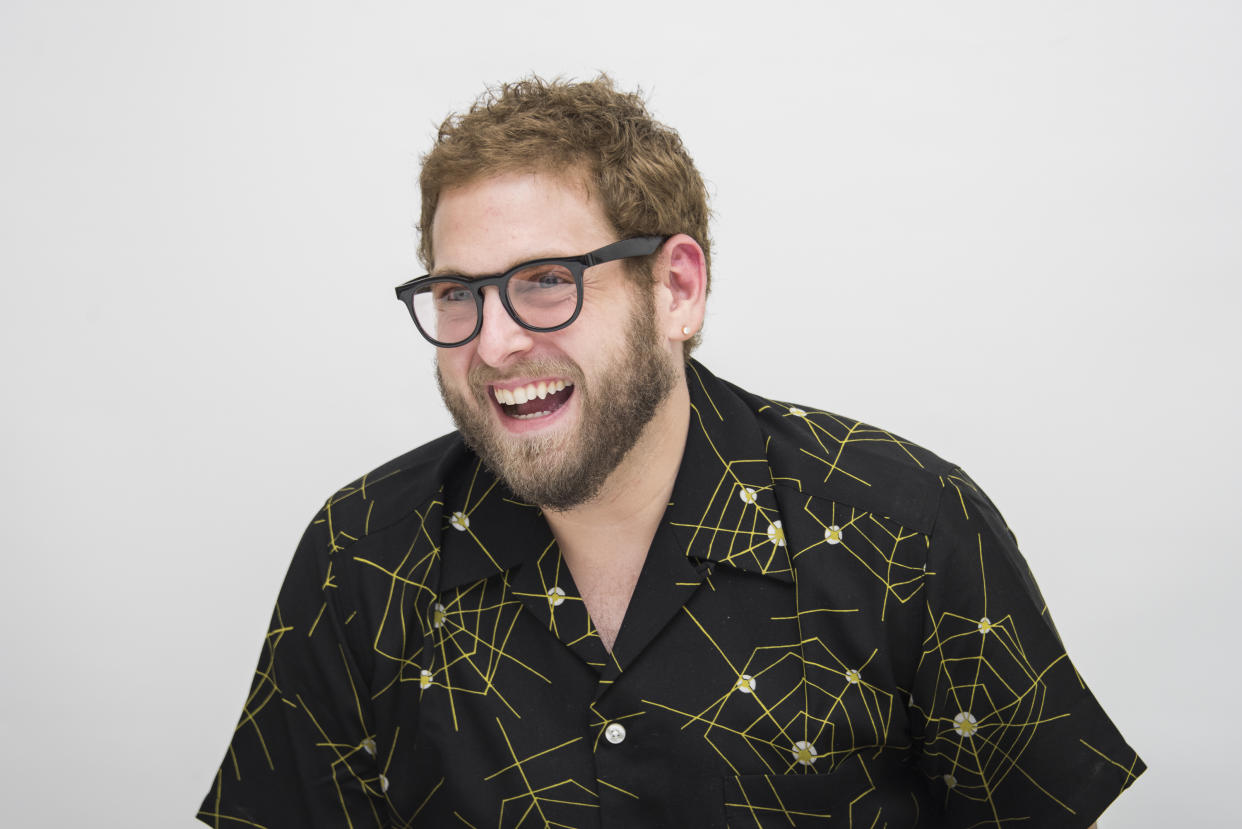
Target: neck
[{"x": 627, "y": 510}]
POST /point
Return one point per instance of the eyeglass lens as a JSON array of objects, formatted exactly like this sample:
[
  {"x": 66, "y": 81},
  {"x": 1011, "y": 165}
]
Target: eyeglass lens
[{"x": 541, "y": 295}]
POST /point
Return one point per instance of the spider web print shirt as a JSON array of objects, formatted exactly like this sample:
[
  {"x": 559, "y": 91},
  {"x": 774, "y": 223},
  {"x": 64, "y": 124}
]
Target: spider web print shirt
[{"x": 833, "y": 627}]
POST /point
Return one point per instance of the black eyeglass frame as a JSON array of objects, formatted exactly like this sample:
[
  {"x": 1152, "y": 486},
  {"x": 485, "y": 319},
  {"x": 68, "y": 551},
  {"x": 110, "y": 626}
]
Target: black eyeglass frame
[{"x": 576, "y": 265}]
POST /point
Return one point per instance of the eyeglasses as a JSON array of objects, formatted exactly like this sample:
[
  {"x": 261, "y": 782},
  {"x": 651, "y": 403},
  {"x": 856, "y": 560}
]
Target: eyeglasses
[{"x": 540, "y": 295}]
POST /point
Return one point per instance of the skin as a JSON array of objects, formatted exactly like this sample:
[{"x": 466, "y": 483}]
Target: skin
[{"x": 492, "y": 224}]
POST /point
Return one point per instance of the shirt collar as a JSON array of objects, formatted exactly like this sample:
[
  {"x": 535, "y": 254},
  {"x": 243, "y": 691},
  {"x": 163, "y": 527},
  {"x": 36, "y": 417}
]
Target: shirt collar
[
  {"x": 485, "y": 529},
  {"x": 722, "y": 510}
]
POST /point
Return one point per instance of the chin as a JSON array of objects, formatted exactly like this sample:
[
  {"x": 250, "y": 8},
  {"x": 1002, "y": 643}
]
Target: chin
[{"x": 563, "y": 460}]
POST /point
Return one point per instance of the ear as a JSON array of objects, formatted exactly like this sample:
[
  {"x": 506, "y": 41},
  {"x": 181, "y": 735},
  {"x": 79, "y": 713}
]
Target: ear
[{"x": 681, "y": 288}]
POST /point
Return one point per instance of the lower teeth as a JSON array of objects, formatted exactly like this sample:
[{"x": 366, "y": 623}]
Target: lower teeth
[{"x": 531, "y": 415}]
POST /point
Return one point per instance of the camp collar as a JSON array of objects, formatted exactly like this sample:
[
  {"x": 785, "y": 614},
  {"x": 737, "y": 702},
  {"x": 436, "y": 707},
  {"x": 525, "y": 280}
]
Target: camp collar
[{"x": 723, "y": 509}]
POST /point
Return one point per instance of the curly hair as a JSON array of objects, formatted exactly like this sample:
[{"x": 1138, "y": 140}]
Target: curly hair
[{"x": 634, "y": 166}]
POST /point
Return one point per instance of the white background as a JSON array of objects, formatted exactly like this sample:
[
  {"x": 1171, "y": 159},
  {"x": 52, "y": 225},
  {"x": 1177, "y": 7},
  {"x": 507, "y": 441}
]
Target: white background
[{"x": 1007, "y": 231}]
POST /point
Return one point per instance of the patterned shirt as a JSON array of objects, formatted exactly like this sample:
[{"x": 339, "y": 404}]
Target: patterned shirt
[{"x": 833, "y": 627}]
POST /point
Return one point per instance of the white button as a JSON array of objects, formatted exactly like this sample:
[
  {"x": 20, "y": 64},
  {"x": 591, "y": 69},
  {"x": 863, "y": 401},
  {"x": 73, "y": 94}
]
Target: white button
[{"x": 614, "y": 733}]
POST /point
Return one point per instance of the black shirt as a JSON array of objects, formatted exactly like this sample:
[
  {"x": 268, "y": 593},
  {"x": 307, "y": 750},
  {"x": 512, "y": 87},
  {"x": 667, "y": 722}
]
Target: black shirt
[{"x": 833, "y": 627}]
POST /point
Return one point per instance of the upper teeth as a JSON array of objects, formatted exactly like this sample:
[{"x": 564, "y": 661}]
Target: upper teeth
[{"x": 512, "y": 397}]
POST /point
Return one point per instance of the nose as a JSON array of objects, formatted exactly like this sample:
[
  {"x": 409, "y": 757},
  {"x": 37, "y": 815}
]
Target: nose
[{"x": 501, "y": 338}]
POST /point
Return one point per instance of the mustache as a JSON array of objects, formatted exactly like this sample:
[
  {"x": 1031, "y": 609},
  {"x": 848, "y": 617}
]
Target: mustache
[{"x": 482, "y": 375}]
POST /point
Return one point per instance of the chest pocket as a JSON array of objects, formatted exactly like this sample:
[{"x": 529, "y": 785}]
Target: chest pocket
[{"x": 877, "y": 790}]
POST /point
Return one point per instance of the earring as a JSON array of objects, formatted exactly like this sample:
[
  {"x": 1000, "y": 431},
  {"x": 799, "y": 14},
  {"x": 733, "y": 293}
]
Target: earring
[{"x": 685, "y": 330}]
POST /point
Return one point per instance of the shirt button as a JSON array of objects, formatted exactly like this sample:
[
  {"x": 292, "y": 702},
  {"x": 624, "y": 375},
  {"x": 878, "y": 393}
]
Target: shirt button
[{"x": 614, "y": 733}]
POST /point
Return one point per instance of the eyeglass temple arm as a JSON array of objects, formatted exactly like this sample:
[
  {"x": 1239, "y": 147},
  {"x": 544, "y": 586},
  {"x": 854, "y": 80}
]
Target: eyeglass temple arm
[{"x": 624, "y": 249}]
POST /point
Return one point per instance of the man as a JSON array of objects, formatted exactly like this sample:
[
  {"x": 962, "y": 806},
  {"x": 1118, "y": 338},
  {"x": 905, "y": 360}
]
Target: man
[{"x": 626, "y": 593}]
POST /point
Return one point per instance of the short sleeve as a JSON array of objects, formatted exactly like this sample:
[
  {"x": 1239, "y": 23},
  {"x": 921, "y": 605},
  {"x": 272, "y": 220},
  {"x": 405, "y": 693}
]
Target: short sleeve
[
  {"x": 303, "y": 753},
  {"x": 1010, "y": 733}
]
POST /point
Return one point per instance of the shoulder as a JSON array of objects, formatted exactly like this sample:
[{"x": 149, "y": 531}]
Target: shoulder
[{"x": 847, "y": 461}]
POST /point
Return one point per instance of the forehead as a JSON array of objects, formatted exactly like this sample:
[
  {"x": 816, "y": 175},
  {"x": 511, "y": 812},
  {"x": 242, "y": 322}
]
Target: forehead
[{"x": 490, "y": 224}]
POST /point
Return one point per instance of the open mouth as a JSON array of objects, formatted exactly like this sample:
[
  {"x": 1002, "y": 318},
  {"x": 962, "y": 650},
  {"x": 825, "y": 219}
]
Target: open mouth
[{"x": 534, "y": 399}]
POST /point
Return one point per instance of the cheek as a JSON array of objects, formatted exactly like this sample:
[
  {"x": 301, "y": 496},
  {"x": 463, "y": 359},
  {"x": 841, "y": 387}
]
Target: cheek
[
  {"x": 451, "y": 375},
  {"x": 453, "y": 365}
]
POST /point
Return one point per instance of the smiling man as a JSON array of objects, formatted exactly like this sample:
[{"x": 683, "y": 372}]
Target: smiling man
[
  {"x": 625, "y": 592},
  {"x": 612, "y": 372}
]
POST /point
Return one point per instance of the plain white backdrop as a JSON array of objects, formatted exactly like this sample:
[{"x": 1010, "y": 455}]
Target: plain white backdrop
[{"x": 1009, "y": 232}]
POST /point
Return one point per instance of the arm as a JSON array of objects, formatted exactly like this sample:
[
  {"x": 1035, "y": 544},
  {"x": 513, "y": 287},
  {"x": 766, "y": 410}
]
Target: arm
[
  {"x": 303, "y": 752},
  {"x": 1006, "y": 720}
]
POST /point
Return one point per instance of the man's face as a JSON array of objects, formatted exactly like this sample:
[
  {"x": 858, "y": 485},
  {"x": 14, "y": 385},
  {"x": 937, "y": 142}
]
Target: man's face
[{"x": 557, "y": 450}]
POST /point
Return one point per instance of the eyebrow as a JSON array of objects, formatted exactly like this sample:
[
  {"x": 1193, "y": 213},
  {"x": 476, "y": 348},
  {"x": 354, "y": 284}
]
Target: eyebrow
[{"x": 516, "y": 264}]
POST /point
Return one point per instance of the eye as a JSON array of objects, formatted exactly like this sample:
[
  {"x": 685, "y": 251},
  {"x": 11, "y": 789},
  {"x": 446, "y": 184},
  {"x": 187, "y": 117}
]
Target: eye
[
  {"x": 451, "y": 292},
  {"x": 548, "y": 276},
  {"x": 554, "y": 278}
]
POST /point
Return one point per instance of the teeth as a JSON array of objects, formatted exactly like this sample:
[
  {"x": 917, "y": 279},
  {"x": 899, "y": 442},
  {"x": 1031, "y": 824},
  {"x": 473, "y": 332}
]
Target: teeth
[{"x": 523, "y": 394}]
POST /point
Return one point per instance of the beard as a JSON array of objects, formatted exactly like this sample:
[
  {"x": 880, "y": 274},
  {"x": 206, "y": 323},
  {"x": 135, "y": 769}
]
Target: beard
[{"x": 566, "y": 469}]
